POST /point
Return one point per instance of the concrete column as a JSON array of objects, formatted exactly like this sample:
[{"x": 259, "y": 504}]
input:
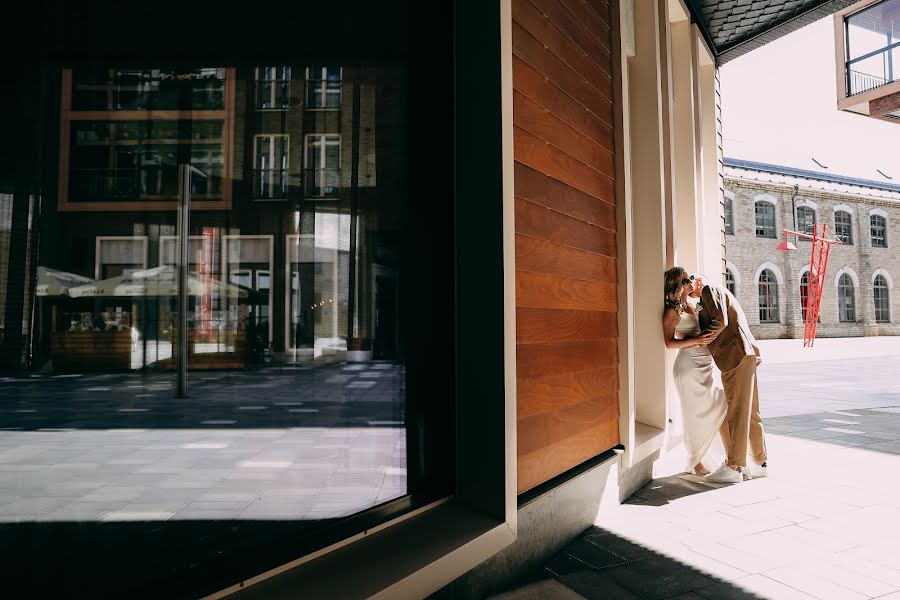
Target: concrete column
[
  {"x": 647, "y": 212},
  {"x": 685, "y": 147},
  {"x": 710, "y": 214}
]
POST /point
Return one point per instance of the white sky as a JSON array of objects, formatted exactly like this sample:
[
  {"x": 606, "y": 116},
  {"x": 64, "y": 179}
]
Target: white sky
[{"x": 779, "y": 106}]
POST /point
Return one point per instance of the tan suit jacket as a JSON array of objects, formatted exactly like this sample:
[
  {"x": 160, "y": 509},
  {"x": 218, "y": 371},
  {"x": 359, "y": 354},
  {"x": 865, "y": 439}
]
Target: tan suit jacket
[{"x": 722, "y": 315}]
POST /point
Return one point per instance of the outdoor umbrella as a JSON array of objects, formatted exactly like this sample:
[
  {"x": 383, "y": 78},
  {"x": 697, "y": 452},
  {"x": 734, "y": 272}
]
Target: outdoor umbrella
[
  {"x": 159, "y": 281},
  {"x": 51, "y": 282}
]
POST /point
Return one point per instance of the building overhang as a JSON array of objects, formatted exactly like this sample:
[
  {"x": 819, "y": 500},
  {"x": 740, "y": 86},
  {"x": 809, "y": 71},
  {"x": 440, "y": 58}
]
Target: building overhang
[{"x": 733, "y": 28}]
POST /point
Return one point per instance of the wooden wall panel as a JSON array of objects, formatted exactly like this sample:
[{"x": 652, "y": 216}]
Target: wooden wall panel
[{"x": 566, "y": 296}]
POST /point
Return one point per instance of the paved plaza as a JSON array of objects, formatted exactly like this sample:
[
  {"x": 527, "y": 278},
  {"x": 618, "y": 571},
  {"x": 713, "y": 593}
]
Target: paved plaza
[
  {"x": 824, "y": 525},
  {"x": 289, "y": 443}
]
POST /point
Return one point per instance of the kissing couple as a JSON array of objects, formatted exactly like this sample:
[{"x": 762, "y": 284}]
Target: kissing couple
[{"x": 707, "y": 326}]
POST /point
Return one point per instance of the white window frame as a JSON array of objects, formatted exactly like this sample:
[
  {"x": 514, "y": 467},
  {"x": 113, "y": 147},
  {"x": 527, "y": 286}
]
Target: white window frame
[
  {"x": 847, "y": 211},
  {"x": 273, "y": 93},
  {"x": 271, "y": 171},
  {"x": 104, "y": 238},
  {"x": 888, "y": 287},
  {"x": 306, "y": 157},
  {"x": 323, "y": 74}
]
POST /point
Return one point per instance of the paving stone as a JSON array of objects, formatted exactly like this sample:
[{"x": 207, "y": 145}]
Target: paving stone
[
  {"x": 592, "y": 554},
  {"x": 593, "y": 586}
]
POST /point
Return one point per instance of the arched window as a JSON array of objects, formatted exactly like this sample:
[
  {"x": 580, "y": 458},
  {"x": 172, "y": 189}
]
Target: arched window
[
  {"x": 879, "y": 231},
  {"x": 846, "y": 299},
  {"x": 843, "y": 229},
  {"x": 804, "y": 294},
  {"x": 729, "y": 281},
  {"x": 729, "y": 216},
  {"x": 768, "y": 297},
  {"x": 806, "y": 219},
  {"x": 765, "y": 219},
  {"x": 882, "y": 300}
]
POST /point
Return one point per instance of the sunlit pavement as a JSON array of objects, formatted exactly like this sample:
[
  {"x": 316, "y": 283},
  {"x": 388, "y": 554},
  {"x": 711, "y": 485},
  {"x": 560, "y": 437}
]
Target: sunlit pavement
[
  {"x": 825, "y": 524},
  {"x": 276, "y": 444}
]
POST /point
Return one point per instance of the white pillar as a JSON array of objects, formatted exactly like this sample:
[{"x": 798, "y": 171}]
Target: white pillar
[{"x": 711, "y": 216}]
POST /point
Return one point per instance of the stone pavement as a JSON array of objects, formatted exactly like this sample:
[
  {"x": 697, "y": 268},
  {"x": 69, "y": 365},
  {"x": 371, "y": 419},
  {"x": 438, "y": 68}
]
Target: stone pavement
[
  {"x": 276, "y": 444},
  {"x": 824, "y": 525}
]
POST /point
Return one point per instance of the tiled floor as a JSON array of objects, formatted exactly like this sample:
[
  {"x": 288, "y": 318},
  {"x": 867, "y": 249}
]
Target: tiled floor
[
  {"x": 824, "y": 525},
  {"x": 281, "y": 443}
]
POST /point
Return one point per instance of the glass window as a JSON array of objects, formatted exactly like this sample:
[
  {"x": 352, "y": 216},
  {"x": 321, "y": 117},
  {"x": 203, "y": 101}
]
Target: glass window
[
  {"x": 768, "y": 297},
  {"x": 842, "y": 227},
  {"x": 323, "y": 165},
  {"x": 270, "y": 166},
  {"x": 806, "y": 220},
  {"x": 882, "y": 300},
  {"x": 313, "y": 377},
  {"x": 804, "y": 294},
  {"x": 873, "y": 46},
  {"x": 879, "y": 231},
  {"x": 273, "y": 87},
  {"x": 729, "y": 216},
  {"x": 765, "y": 219},
  {"x": 729, "y": 281},
  {"x": 323, "y": 87},
  {"x": 846, "y": 299}
]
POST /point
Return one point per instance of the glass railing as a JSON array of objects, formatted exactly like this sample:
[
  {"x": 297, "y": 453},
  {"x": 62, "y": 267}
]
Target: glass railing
[{"x": 872, "y": 47}]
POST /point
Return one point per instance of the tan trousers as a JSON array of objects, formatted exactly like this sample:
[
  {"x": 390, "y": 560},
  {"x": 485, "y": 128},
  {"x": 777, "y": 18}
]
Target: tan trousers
[{"x": 744, "y": 423}]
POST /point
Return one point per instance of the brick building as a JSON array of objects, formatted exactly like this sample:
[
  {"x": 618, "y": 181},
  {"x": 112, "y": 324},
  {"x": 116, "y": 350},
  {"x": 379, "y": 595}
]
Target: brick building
[{"x": 858, "y": 299}]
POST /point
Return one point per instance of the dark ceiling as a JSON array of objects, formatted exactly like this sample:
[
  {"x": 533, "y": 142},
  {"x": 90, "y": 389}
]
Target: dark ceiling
[{"x": 735, "y": 27}]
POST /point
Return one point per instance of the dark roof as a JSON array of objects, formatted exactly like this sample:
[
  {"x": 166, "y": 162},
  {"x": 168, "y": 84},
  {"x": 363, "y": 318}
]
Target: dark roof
[
  {"x": 791, "y": 171},
  {"x": 734, "y": 27}
]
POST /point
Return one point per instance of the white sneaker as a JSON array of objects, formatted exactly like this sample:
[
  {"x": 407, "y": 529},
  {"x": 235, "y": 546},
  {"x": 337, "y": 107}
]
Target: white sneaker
[
  {"x": 726, "y": 474},
  {"x": 758, "y": 470}
]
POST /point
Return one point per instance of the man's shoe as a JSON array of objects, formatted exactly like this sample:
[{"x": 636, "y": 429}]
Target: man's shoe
[
  {"x": 726, "y": 474},
  {"x": 758, "y": 470}
]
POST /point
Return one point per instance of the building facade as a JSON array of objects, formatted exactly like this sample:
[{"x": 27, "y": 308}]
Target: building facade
[
  {"x": 761, "y": 200},
  {"x": 368, "y": 288}
]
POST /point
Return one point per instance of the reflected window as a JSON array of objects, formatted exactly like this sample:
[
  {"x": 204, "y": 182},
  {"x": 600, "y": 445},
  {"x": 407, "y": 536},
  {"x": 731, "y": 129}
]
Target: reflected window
[
  {"x": 878, "y": 226},
  {"x": 323, "y": 87},
  {"x": 882, "y": 300},
  {"x": 842, "y": 227},
  {"x": 765, "y": 219},
  {"x": 270, "y": 162},
  {"x": 768, "y": 297},
  {"x": 806, "y": 220},
  {"x": 273, "y": 87},
  {"x": 323, "y": 165}
]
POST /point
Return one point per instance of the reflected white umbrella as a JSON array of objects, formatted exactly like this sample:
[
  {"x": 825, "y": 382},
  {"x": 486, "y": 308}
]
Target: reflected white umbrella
[
  {"x": 52, "y": 282},
  {"x": 159, "y": 281}
]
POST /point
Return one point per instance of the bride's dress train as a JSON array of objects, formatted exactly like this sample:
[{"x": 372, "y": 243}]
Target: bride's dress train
[{"x": 702, "y": 400}]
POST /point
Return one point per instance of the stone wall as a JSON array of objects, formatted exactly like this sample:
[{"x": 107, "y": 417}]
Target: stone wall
[{"x": 747, "y": 254}]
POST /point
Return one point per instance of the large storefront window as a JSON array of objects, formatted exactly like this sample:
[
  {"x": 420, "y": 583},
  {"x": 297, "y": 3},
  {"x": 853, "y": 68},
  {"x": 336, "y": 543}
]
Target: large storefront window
[{"x": 207, "y": 217}]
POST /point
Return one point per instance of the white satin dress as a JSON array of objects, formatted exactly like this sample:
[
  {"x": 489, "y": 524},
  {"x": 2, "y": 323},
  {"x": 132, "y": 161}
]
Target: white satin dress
[{"x": 702, "y": 399}]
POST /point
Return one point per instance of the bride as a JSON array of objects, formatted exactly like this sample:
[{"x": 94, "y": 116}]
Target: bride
[{"x": 703, "y": 404}]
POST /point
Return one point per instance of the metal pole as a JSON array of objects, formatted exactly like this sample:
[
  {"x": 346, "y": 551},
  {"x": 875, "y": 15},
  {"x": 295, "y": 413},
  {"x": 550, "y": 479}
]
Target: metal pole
[{"x": 182, "y": 262}]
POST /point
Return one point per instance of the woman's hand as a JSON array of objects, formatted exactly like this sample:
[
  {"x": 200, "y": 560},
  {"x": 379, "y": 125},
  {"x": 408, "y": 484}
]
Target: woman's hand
[{"x": 704, "y": 339}]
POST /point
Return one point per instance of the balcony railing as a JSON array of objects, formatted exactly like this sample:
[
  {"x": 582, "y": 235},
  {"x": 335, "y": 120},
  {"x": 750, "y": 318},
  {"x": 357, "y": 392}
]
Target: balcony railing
[
  {"x": 270, "y": 183},
  {"x": 863, "y": 82},
  {"x": 322, "y": 183},
  {"x": 871, "y": 46}
]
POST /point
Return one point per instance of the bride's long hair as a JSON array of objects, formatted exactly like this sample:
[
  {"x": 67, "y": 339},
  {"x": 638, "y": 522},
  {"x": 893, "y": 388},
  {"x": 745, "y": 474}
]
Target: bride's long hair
[{"x": 674, "y": 288}]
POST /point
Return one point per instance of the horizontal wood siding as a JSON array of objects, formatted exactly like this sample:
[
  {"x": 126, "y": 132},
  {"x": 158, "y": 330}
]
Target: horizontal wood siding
[{"x": 566, "y": 327}]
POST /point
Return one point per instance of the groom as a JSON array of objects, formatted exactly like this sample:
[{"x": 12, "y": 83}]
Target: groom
[{"x": 734, "y": 351}]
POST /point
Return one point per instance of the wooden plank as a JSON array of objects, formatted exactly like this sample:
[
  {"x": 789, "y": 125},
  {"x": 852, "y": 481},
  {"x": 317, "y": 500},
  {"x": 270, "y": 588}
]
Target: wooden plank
[
  {"x": 543, "y": 157},
  {"x": 546, "y": 392},
  {"x": 539, "y": 222},
  {"x": 534, "y": 85},
  {"x": 574, "y": 30},
  {"x": 541, "y": 256},
  {"x": 555, "y": 358},
  {"x": 540, "y": 122},
  {"x": 603, "y": 10},
  {"x": 537, "y": 290},
  {"x": 541, "y": 325},
  {"x": 545, "y": 429},
  {"x": 537, "y": 467},
  {"x": 538, "y": 188},
  {"x": 532, "y": 51},
  {"x": 591, "y": 20},
  {"x": 554, "y": 40}
]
